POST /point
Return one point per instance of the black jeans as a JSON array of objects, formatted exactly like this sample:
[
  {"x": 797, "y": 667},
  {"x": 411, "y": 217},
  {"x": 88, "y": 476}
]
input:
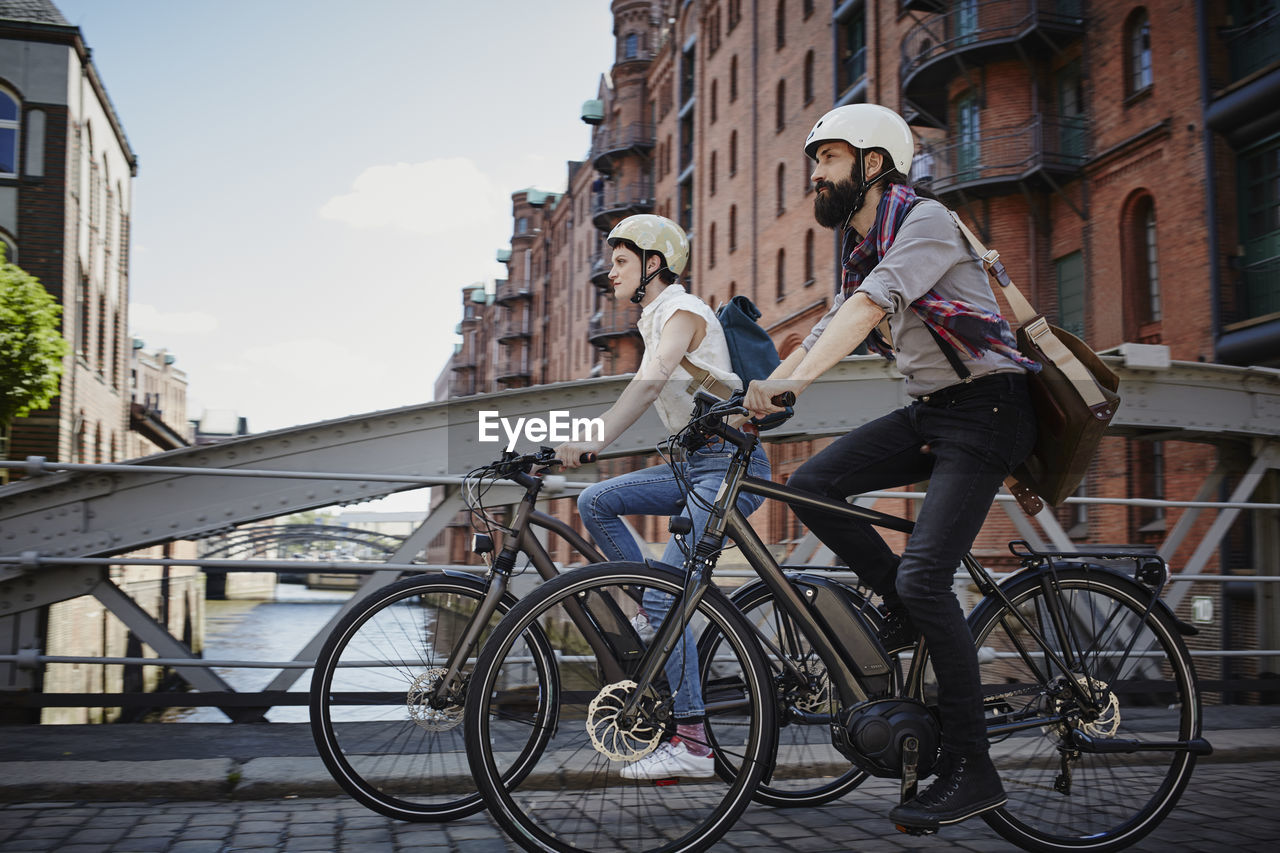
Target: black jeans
[{"x": 964, "y": 440}]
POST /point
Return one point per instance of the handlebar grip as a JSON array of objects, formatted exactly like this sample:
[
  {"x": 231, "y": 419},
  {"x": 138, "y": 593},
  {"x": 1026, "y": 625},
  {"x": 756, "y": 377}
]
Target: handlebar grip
[
  {"x": 786, "y": 398},
  {"x": 587, "y": 457}
]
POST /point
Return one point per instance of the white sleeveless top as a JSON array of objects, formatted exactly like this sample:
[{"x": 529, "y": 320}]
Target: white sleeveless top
[{"x": 675, "y": 403}]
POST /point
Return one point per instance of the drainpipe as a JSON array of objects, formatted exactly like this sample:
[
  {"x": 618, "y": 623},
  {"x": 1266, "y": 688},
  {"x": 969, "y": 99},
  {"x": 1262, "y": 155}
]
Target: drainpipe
[
  {"x": 755, "y": 153},
  {"x": 1211, "y": 183}
]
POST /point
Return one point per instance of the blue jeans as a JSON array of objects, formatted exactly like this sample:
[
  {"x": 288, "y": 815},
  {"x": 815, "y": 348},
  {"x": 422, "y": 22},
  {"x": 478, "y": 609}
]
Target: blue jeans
[
  {"x": 655, "y": 491},
  {"x": 964, "y": 440}
]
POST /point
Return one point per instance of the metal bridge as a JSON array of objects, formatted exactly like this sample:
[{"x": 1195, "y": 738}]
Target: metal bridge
[{"x": 60, "y": 527}]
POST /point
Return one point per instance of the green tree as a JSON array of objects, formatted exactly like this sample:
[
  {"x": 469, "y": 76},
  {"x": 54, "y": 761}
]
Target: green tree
[{"x": 31, "y": 347}]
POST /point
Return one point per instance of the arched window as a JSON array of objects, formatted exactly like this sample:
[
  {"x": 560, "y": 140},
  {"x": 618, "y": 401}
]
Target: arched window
[
  {"x": 782, "y": 273},
  {"x": 781, "y": 25},
  {"x": 733, "y": 153},
  {"x": 733, "y": 78},
  {"x": 9, "y": 114},
  {"x": 1138, "y": 52},
  {"x": 808, "y": 78},
  {"x": 782, "y": 176},
  {"x": 711, "y": 178},
  {"x": 711, "y": 249},
  {"x": 733, "y": 227},
  {"x": 1141, "y": 258},
  {"x": 808, "y": 257},
  {"x": 780, "y": 108},
  {"x": 715, "y": 99},
  {"x": 632, "y": 48}
]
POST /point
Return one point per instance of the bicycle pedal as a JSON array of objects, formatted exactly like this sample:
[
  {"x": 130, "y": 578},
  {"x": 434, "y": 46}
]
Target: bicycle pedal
[{"x": 915, "y": 830}]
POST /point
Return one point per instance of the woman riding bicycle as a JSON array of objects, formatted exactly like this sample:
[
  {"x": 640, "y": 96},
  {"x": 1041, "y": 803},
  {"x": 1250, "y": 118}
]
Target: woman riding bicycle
[{"x": 684, "y": 346}]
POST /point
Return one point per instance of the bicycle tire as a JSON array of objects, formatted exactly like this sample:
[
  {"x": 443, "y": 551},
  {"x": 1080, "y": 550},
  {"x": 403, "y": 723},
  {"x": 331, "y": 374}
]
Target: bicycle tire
[
  {"x": 1143, "y": 684},
  {"x": 574, "y": 798},
  {"x": 390, "y": 751},
  {"x": 808, "y": 770}
]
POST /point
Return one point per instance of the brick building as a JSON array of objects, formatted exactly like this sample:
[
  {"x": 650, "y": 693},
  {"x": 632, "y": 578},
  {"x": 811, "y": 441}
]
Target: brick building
[
  {"x": 1124, "y": 157},
  {"x": 66, "y": 172}
]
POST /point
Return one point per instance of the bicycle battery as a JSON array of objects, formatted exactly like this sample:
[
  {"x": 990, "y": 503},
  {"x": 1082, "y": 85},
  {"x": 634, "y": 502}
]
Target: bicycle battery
[{"x": 837, "y": 612}]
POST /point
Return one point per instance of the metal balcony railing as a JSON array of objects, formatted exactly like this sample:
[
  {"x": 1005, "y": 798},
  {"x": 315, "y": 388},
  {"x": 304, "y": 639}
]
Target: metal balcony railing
[
  {"x": 514, "y": 365},
  {"x": 613, "y": 321},
  {"x": 507, "y": 289},
  {"x": 970, "y": 25},
  {"x": 600, "y": 263},
  {"x": 611, "y": 142},
  {"x": 1010, "y": 153},
  {"x": 515, "y": 323},
  {"x": 610, "y": 202},
  {"x": 462, "y": 385}
]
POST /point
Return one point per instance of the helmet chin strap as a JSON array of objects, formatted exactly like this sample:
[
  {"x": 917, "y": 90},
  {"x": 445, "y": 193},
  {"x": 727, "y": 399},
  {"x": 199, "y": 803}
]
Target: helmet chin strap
[
  {"x": 863, "y": 186},
  {"x": 638, "y": 296}
]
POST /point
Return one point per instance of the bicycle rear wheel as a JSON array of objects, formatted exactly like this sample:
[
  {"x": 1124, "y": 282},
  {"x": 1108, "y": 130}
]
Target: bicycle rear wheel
[
  {"x": 370, "y": 716},
  {"x": 574, "y": 798},
  {"x": 1140, "y": 685},
  {"x": 809, "y": 770}
]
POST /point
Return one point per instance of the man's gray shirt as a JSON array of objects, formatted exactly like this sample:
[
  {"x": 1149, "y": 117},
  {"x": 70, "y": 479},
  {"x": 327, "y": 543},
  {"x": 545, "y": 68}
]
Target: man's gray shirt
[{"x": 929, "y": 253}]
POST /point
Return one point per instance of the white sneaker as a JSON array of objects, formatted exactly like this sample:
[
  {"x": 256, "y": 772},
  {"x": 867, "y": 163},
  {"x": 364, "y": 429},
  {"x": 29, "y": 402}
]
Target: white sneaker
[
  {"x": 669, "y": 760},
  {"x": 644, "y": 628}
]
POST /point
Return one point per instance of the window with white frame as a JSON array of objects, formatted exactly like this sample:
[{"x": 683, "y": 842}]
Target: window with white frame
[{"x": 9, "y": 115}]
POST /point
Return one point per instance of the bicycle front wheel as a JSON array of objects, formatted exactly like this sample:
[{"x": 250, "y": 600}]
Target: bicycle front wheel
[
  {"x": 809, "y": 770},
  {"x": 574, "y": 797},
  {"x": 1095, "y": 773},
  {"x": 371, "y": 716}
]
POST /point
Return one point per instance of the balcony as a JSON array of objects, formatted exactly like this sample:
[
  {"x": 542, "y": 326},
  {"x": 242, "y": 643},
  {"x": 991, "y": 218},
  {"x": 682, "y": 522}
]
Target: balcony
[
  {"x": 514, "y": 324},
  {"x": 1253, "y": 45},
  {"x": 611, "y": 203},
  {"x": 600, "y": 264},
  {"x": 611, "y": 143},
  {"x": 505, "y": 290},
  {"x": 462, "y": 385},
  {"x": 977, "y": 32},
  {"x": 1003, "y": 159},
  {"x": 611, "y": 323},
  {"x": 463, "y": 361},
  {"x": 513, "y": 366}
]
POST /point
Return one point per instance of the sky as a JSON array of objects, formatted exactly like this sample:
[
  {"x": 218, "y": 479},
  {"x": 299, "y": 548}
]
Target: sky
[{"x": 318, "y": 180}]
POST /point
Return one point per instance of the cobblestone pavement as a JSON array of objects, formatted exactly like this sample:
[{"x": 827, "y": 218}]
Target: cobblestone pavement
[{"x": 1228, "y": 807}]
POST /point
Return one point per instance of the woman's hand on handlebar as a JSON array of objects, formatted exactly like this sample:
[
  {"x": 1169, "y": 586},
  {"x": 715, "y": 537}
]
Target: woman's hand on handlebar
[
  {"x": 575, "y": 453},
  {"x": 766, "y": 396}
]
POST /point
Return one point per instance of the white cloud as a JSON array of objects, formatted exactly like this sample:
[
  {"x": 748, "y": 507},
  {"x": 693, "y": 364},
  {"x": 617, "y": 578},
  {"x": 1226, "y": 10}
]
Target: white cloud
[
  {"x": 149, "y": 321},
  {"x": 434, "y": 197}
]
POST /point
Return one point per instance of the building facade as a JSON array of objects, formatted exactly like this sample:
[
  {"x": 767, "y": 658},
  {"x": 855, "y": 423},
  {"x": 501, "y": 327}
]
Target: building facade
[
  {"x": 1123, "y": 157},
  {"x": 66, "y": 172}
]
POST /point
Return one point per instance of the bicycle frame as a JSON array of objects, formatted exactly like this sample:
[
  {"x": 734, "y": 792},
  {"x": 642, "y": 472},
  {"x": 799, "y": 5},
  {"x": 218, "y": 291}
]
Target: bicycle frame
[
  {"x": 843, "y": 667},
  {"x": 498, "y": 581}
]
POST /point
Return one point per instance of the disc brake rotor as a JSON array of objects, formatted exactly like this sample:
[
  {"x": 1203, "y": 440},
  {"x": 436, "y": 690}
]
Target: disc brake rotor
[
  {"x": 609, "y": 735},
  {"x": 418, "y": 702},
  {"x": 1104, "y": 725}
]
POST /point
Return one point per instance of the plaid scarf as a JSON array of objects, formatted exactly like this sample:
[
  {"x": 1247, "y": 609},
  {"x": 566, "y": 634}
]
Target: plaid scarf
[{"x": 965, "y": 327}]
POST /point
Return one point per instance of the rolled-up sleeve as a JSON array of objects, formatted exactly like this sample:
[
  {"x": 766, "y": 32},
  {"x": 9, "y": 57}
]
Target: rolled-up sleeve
[{"x": 921, "y": 254}]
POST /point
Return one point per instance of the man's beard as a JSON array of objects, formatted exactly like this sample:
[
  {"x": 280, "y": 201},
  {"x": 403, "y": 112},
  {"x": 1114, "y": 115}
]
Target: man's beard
[{"x": 833, "y": 206}]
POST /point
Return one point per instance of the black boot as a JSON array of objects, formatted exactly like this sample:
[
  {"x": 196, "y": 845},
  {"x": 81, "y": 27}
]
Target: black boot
[
  {"x": 967, "y": 785},
  {"x": 897, "y": 631}
]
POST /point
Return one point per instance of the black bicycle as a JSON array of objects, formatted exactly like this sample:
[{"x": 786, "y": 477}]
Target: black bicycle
[
  {"x": 1090, "y": 694},
  {"x": 389, "y": 682},
  {"x": 388, "y": 685}
]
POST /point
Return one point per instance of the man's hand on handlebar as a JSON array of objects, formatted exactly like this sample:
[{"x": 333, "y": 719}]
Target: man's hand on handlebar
[
  {"x": 575, "y": 453},
  {"x": 766, "y": 396}
]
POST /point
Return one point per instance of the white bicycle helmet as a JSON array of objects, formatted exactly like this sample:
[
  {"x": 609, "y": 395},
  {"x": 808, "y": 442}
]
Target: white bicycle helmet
[{"x": 865, "y": 126}]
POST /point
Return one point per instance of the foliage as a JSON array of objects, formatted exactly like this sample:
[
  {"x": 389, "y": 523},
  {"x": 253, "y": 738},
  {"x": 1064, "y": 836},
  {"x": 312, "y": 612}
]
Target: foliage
[{"x": 31, "y": 343}]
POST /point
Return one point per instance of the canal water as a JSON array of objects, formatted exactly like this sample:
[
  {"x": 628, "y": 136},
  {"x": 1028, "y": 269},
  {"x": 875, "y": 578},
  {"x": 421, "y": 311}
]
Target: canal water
[{"x": 273, "y": 630}]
